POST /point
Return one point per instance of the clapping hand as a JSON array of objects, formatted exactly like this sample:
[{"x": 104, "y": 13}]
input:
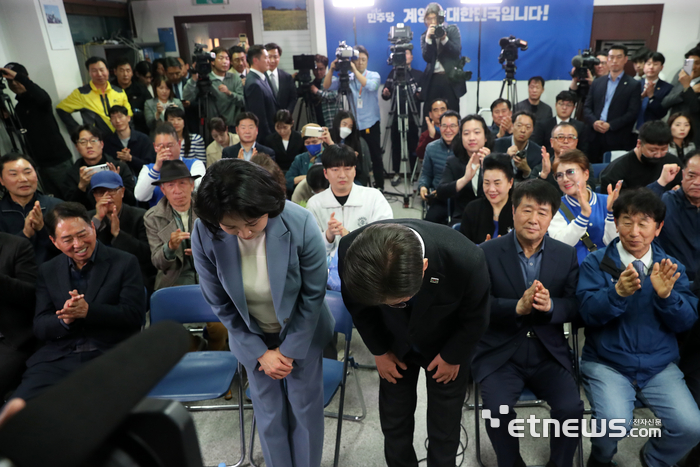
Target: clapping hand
[
  {"x": 613, "y": 194},
  {"x": 628, "y": 283},
  {"x": 663, "y": 277}
]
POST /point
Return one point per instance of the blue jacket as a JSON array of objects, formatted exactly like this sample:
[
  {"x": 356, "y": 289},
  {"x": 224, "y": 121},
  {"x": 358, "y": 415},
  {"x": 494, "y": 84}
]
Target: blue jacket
[
  {"x": 680, "y": 236},
  {"x": 436, "y": 154},
  {"x": 635, "y": 335},
  {"x": 300, "y": 166},
  {"x": 296, "y": 259}
]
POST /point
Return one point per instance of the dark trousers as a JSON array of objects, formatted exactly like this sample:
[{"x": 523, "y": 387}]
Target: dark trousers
[
  {"x": 437, "y": 211},
  {"x": 373, "y": 138},
  {"x": 440, "y": 87},
  {"x": 533, "y": 366},
  {"x": 12, "y": 365},
  {"x": 411, "y": 143},
  {"x": 41, "y": 376},
  {"x": 397, "y": 405}
]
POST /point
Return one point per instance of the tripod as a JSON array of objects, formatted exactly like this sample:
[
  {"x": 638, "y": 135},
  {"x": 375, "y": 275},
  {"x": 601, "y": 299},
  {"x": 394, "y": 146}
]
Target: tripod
[
  {"x": 402, "y": 103},
  {"x": 509, "y": 81},
  {"x": 305, "y": 107},
  {"x": 205, "y": 99}
]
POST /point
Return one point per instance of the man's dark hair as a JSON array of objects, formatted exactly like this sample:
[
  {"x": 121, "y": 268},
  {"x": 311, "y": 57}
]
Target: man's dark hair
[
  {"x": 315, "y": 178},
  {"x": 118, "y": 109},
  {"x": 655, "y": 132},
  {"x": 562, "y": 125},
  {"x": 384, "y": 262},
  {"x": 450, "y": 113},
  {"x": 619, "y": 47},
  {"x": 143, "y": 68},
  {"x": 500, "y": 101},
  {"x": 93, "y": 130},
  {"x": 517, "y": 114},
  {"x": 66, "y": 210},
  {"x": 600, "y": 52},
  {"x": 567, "y": 96},
  {"x": 12, "y": 157},
  {"x": 439, "y": 99},
  {"x": 501, "y": 162},
  {"x": 686, "y": 159},
  {"x": 165, "y": 128},
  {"x": 339, "y": 155},
  {"x": 694, "y": 51},
  {"x": 272, "y": 46},
  {"x": 218, "y": 124},
  {"x": 321, "y": 58},
  {"x": 93, "y": 60},
  {"x": 458, "y": 147},
  {"x": 362, "y": 49},
  {"x": 216, "y": 51},
  {"x": 171, "y": 62},
  {"x": 690, "y": 136},
  {"x": 246, "y": 116},
  {"x": 239, "y": 188},
  {"x": 284, "y": 116},
  {"x": 640, "y": 201},
  {"x": 656, "y": 57},
  {"x": 538, "y": 190},
  {"x": 539, "y": 79},
  {"x": 121, "y": 61},
  {"x": 254, "y": 52},
  {"x": 236, "y": 49}
]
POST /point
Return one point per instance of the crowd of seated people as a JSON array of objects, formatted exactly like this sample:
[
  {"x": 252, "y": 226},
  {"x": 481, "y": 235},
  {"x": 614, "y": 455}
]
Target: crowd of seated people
[{"x": 527, "y": 189}]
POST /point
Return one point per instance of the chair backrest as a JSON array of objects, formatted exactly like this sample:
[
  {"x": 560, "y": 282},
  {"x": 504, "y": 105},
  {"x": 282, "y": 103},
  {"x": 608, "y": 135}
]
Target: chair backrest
[
  {"x": 343, "y": 320},
  {"x": 597, "y": 169},
  {"x": 457, "y": 226},
  {"x": 183, "y": 303},
  {"x": 615, "y": 154}
]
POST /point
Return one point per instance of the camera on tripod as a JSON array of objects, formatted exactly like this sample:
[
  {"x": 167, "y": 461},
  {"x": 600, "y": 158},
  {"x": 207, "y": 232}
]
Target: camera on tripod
[
  {"x": 345, "y": 54},
  {"x": 304, "y": 64},
  {"x": 202, "y": 61},
  {"x": 440, "y": 29},
  {"x": 400, "y": 37},
  {"x": 509, "y": 49},
  {"x": 583, "y": 63}
]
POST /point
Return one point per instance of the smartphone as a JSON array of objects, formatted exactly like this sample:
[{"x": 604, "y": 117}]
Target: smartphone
[
  {"x": 313, "y": 132},
  {"x": 97, "y": 168},
  {"x": 242, "y": 38},
  {"x": 688, "y": 66}
]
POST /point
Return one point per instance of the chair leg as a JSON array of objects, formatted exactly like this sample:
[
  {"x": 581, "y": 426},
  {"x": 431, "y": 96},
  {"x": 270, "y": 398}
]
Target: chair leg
[
  {"x": 477, "y": 434},
  {"x": 352, "y": 418},
  {"x": 241, "y": 422},
  {"x": 252, "y": 442},
  {"x": 341, "y": 406}
]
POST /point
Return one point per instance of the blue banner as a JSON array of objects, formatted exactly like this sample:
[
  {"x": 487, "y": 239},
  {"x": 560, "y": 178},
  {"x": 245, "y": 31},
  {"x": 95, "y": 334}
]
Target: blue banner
[{"x": 554, "y": 29}]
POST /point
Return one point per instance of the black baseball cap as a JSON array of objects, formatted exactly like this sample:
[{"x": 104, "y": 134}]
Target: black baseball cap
[{"x": 17, "y": 68}]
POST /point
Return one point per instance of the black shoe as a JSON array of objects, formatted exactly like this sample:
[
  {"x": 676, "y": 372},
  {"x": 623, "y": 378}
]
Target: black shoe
[
  {"x": 396, "y": 180},
  {"x": 593, "y": 462}
]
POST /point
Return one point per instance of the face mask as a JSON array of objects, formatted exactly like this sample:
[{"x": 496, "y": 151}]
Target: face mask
[
  {"x": 345, "y": 132},
  {"x": 314, "y": 149},
  {"x": 651, "y": 160}
]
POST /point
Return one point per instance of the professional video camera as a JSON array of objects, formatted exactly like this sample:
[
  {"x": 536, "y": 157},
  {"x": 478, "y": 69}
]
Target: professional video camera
[
  {"x": 400, "y": 37},
  {"x": 202, "y": 61},
  {"x": 440, "y": 30},
  {"x": 509, "y": 53},
  {"x": 304, "y": 64},
  {"x": 583, "y": 63},
  {"x": 345, "y": 54}
]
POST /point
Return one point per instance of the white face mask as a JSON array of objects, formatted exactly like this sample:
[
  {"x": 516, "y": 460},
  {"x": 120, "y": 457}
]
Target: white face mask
[{"x": 345, "y": 132}]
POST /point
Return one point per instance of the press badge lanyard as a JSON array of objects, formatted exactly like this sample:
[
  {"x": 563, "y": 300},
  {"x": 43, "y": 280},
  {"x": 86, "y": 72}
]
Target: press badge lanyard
[{"x": 359, "y": 98}]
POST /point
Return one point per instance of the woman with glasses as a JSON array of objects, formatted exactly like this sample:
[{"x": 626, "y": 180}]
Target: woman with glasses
[{"x": 585, "y": 219}]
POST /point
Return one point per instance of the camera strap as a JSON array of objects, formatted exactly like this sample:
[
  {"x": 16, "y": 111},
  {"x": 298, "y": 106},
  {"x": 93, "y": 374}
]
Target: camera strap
[{"x": 585, "y": 238}]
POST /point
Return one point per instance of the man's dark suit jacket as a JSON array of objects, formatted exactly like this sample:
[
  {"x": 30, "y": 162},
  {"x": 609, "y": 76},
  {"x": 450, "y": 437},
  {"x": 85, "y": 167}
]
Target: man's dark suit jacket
[
  {"x": 140, "y": 147},
  {"x": 655, "y": 110},
  {"x": 285, "y": 157},
  {"x": 448, "y": 55},
  {"x": 115, "y": 297},
  {"x": 260, "y": 100},
  {"x": 543, "y": 133},
  {"x": 534, "y": 150},
  {"x": 450, "y": 312},
  {"x": 17, "y": 289},
  {"x": 622, "y": 114},
  {"x": 231, "y": 152},
  {"x": 132, "y": 238},
  {"x": 507, "y": 330},
  {"x": 286, "y": 92}
]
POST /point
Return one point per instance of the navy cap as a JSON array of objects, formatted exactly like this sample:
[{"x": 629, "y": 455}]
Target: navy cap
[{"x": 106, "y": 179}]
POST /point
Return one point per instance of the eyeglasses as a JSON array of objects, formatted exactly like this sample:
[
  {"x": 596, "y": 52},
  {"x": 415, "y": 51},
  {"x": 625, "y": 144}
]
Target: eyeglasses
[
  {"x": 568, "y": 174},
  {"x": 84, "y": 142},
  {"x": 565, "y": 138},
  {"x": 449, "y": 127}
]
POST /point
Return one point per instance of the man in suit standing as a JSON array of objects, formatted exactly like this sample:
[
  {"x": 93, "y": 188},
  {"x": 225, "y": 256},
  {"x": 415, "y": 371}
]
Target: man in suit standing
[
  {"x": 566, "y": 101},
  {"x": 418, "y": 293},
  {"x": 247, "y": 129},
  {"x": 259, "y": 97},
  {"x": 533, "y": 104},
  {"x": 525, "y": 153},
  {"x": 97, "y": 291},
  {"x": 281, "y": 82},
  {"x": 533, "y": 293},
  {"x": 654, "y": 90},
  {"x": 18, "y": 291},
  {"x": 612, "y": 107}
]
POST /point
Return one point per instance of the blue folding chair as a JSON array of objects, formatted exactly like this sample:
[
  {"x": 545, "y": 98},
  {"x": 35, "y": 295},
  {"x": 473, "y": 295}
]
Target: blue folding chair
[
  {"x": 199, "y": 375},
  {"x": 334, "y": 375},
  {"x": 597, "y": 169}
]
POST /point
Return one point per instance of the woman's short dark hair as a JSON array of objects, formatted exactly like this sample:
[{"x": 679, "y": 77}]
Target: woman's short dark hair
[
  {"x": 177, "y": 112},
  {"x": 240, "y": 188},
  {"x": 284, "y": 116},
  {"x": 65, "y": 210},
  {"x": 218, "y": 124},
  {"x": 157, "y": 80},
  {"x": 339, "y": 155},
  {"x": 458, "y": 148},
  {"x": 538, "y": 190},
  {"x": 656, "y": 132},
  {"x": 690, "y": 136},
  {"x": 498, "y": 161},
  {"x": 93, "y": 130},
  {"x": 315, "y": 178},
  {"x": 576, "y": 156},
  {"x": 384, "y": 262},
  {"x": 434, "y": 8},
  {"x": 640, "y": 201}
]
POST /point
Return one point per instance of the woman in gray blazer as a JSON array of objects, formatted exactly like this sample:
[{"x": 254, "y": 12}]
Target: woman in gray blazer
[
  {"x": 154, "y": 109},
  {"x": 262, "y": 267}
]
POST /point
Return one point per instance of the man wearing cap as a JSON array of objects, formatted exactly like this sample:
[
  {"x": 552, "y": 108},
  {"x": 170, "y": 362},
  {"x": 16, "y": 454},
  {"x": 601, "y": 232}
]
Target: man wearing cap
[
  {"x": 35, "y": 113},
  {"x": 246, "y": 124},
  {"x": 167, "y": 148},
  {"x": 168, "y": 226},
  {"x": 119, "y": 225}
]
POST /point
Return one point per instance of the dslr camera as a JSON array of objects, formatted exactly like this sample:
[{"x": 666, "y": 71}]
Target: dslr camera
[
  {"x": 400, "y": 37},
  {"x": 440, "y": 29},
  {"x": 583, "y": 62}
]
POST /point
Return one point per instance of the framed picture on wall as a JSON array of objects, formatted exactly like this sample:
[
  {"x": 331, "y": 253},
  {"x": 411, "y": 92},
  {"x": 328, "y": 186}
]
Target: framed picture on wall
[
  {"x": 284, "y": 15},
  {"x": 210, "y": 2}
]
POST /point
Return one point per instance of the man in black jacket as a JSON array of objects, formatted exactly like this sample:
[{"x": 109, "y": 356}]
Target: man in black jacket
[
  {"x": 612, "y": 107},
  {"x": 246, "y": 125},
  {"x": 525, "y": 153},
  {"x": 281, "y": 82},
  {"x": 18, "y": 289},
  {"x": 135, "y": 91},
  {"x": 259, "y": 97},
  {"x": 418, "y": 293},
  {"x": 126, "y": 144},
  {"x": 35, "y": 113},
  {"x": 564, "y": 107}
]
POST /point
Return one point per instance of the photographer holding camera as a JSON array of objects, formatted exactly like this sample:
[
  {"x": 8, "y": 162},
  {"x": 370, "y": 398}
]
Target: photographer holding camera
[
  {"x": 441, "y": 45},
  {"x": 364, "y": 85}
]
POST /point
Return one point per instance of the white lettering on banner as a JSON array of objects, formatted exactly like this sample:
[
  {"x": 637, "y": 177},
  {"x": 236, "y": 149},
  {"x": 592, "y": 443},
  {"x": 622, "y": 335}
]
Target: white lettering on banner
[
  {"x": 508, "y": 13},
  {"x": 493, "y": 13},
  {"x": 469, "y": 14},
  {"x": 378, "y": 16},
  {"x": 411, "y": 15},
  {"x": 389, "y": 16},
  {"x": 452, "y": 15},
  {"x": 517, "y": 14},
  {"x": 372, "y": 17}
]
